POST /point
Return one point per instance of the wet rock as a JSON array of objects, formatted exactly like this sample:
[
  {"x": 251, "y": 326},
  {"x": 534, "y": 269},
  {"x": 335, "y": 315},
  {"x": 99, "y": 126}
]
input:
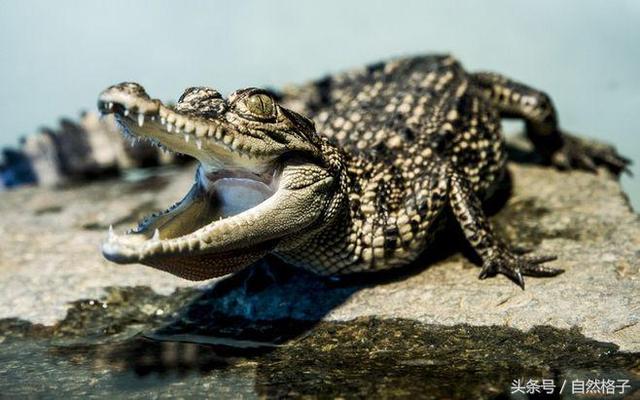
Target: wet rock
[{"x": 362, "y": 358}]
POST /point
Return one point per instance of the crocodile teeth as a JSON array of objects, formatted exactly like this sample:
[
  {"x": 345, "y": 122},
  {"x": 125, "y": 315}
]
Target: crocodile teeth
[
  {"x": 169, "y": 127},
  {"x": 126, "y": 112},
  {"x": 163, "y": 120},
  {"x": 199, "y": 144},
  {"x": 110, "y": 105},
  {"x": 201, "y": 130},
  {"x": 112, "y": 235},
  {"x": 156, "y": 235},
  {"x": 140, "y": 120},
  {"x": 186, "y": 138}
]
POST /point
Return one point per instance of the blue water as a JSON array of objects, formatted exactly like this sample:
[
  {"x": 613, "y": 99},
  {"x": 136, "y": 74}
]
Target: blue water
[{"x": 56, "y": 56}]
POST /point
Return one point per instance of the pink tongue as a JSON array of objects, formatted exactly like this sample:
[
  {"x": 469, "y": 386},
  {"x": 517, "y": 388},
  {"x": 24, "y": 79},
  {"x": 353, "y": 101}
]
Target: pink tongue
[{"x": 236, "y": 195}]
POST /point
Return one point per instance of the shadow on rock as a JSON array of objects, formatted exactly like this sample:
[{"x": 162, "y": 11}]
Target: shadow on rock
[{"x": 247, "y": 315}]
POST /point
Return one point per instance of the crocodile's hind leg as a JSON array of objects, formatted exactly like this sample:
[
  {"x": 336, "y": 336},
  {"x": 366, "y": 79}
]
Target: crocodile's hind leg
[
  {"x": 497, "y": 257},
  {"x": 515, "y": 100}
]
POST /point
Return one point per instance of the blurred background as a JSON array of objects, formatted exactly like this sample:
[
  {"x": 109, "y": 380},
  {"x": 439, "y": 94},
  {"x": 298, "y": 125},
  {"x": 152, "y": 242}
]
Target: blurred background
[{"x": 55, "y": 57}]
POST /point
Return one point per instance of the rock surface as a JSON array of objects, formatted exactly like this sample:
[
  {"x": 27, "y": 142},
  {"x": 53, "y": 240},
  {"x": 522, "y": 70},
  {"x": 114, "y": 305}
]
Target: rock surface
[{"x": 50, "y": 257}]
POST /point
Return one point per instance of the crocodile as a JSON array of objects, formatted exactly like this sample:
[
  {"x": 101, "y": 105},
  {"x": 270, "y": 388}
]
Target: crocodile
[{"x": 355, "y": 172}]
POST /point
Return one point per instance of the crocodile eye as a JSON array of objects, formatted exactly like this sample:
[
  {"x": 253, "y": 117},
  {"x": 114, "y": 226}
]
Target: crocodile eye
[{"x": 260, "y": 105}]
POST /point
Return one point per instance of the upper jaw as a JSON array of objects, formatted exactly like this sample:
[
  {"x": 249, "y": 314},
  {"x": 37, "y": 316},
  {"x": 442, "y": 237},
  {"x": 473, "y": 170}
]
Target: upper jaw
[{"x": 213, "y": 141}]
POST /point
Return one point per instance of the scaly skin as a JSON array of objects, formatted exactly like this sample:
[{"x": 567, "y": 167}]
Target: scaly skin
[{"x": 397, "y": 148}]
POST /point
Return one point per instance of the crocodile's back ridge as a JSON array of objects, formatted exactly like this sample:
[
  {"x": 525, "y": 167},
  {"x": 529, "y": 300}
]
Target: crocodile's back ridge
[{"x": 405, "y": 112}]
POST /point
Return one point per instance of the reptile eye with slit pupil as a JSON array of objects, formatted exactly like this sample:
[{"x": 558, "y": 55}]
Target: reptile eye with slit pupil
[{"x": 260, "y": 105}]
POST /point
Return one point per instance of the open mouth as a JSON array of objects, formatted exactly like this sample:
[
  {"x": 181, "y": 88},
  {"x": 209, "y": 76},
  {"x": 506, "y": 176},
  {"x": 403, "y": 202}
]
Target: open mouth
[{"x": 231, "y": 189}]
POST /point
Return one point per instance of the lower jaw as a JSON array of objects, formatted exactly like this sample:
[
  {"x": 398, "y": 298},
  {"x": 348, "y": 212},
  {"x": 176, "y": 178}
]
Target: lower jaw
[{"x": 199, "y": 267}]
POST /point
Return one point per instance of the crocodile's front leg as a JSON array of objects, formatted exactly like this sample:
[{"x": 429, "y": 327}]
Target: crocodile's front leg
[{"x": 497, "y": 257}]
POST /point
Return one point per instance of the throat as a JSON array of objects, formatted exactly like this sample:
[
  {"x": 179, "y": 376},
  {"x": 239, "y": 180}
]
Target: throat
[
  {"x": 231, "y": 196},
  {"x": 231, "y": 192}
]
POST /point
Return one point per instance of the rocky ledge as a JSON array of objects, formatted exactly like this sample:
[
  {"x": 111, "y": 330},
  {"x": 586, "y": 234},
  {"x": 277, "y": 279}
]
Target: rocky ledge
[{"x": 273, "y": 330}]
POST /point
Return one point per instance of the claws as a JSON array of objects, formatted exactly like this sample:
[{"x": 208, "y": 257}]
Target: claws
[
  {"x": 519, "y": 250},
  {"x": 541, "y": 259},
  {"x": 487, "y": 271},
  {"x": 516, "y": 277},
  {"x": 585, "y": 162},
  {"x": 579, "y": 154},
  {"x": 515, "y": 266}
]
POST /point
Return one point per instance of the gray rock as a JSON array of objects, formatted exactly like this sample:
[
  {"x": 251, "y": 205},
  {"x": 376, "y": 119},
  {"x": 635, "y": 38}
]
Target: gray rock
[{"x": 50, "y": 257}]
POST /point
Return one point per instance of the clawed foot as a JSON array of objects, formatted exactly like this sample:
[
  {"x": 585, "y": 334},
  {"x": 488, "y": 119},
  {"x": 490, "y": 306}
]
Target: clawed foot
[
  {"x": 580, "y": 154},
  {"x": 514, "y": 266}
]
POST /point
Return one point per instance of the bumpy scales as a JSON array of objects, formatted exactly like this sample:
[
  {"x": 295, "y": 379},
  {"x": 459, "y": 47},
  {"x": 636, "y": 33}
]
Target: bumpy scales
[{"x": 397, "y": 148}]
